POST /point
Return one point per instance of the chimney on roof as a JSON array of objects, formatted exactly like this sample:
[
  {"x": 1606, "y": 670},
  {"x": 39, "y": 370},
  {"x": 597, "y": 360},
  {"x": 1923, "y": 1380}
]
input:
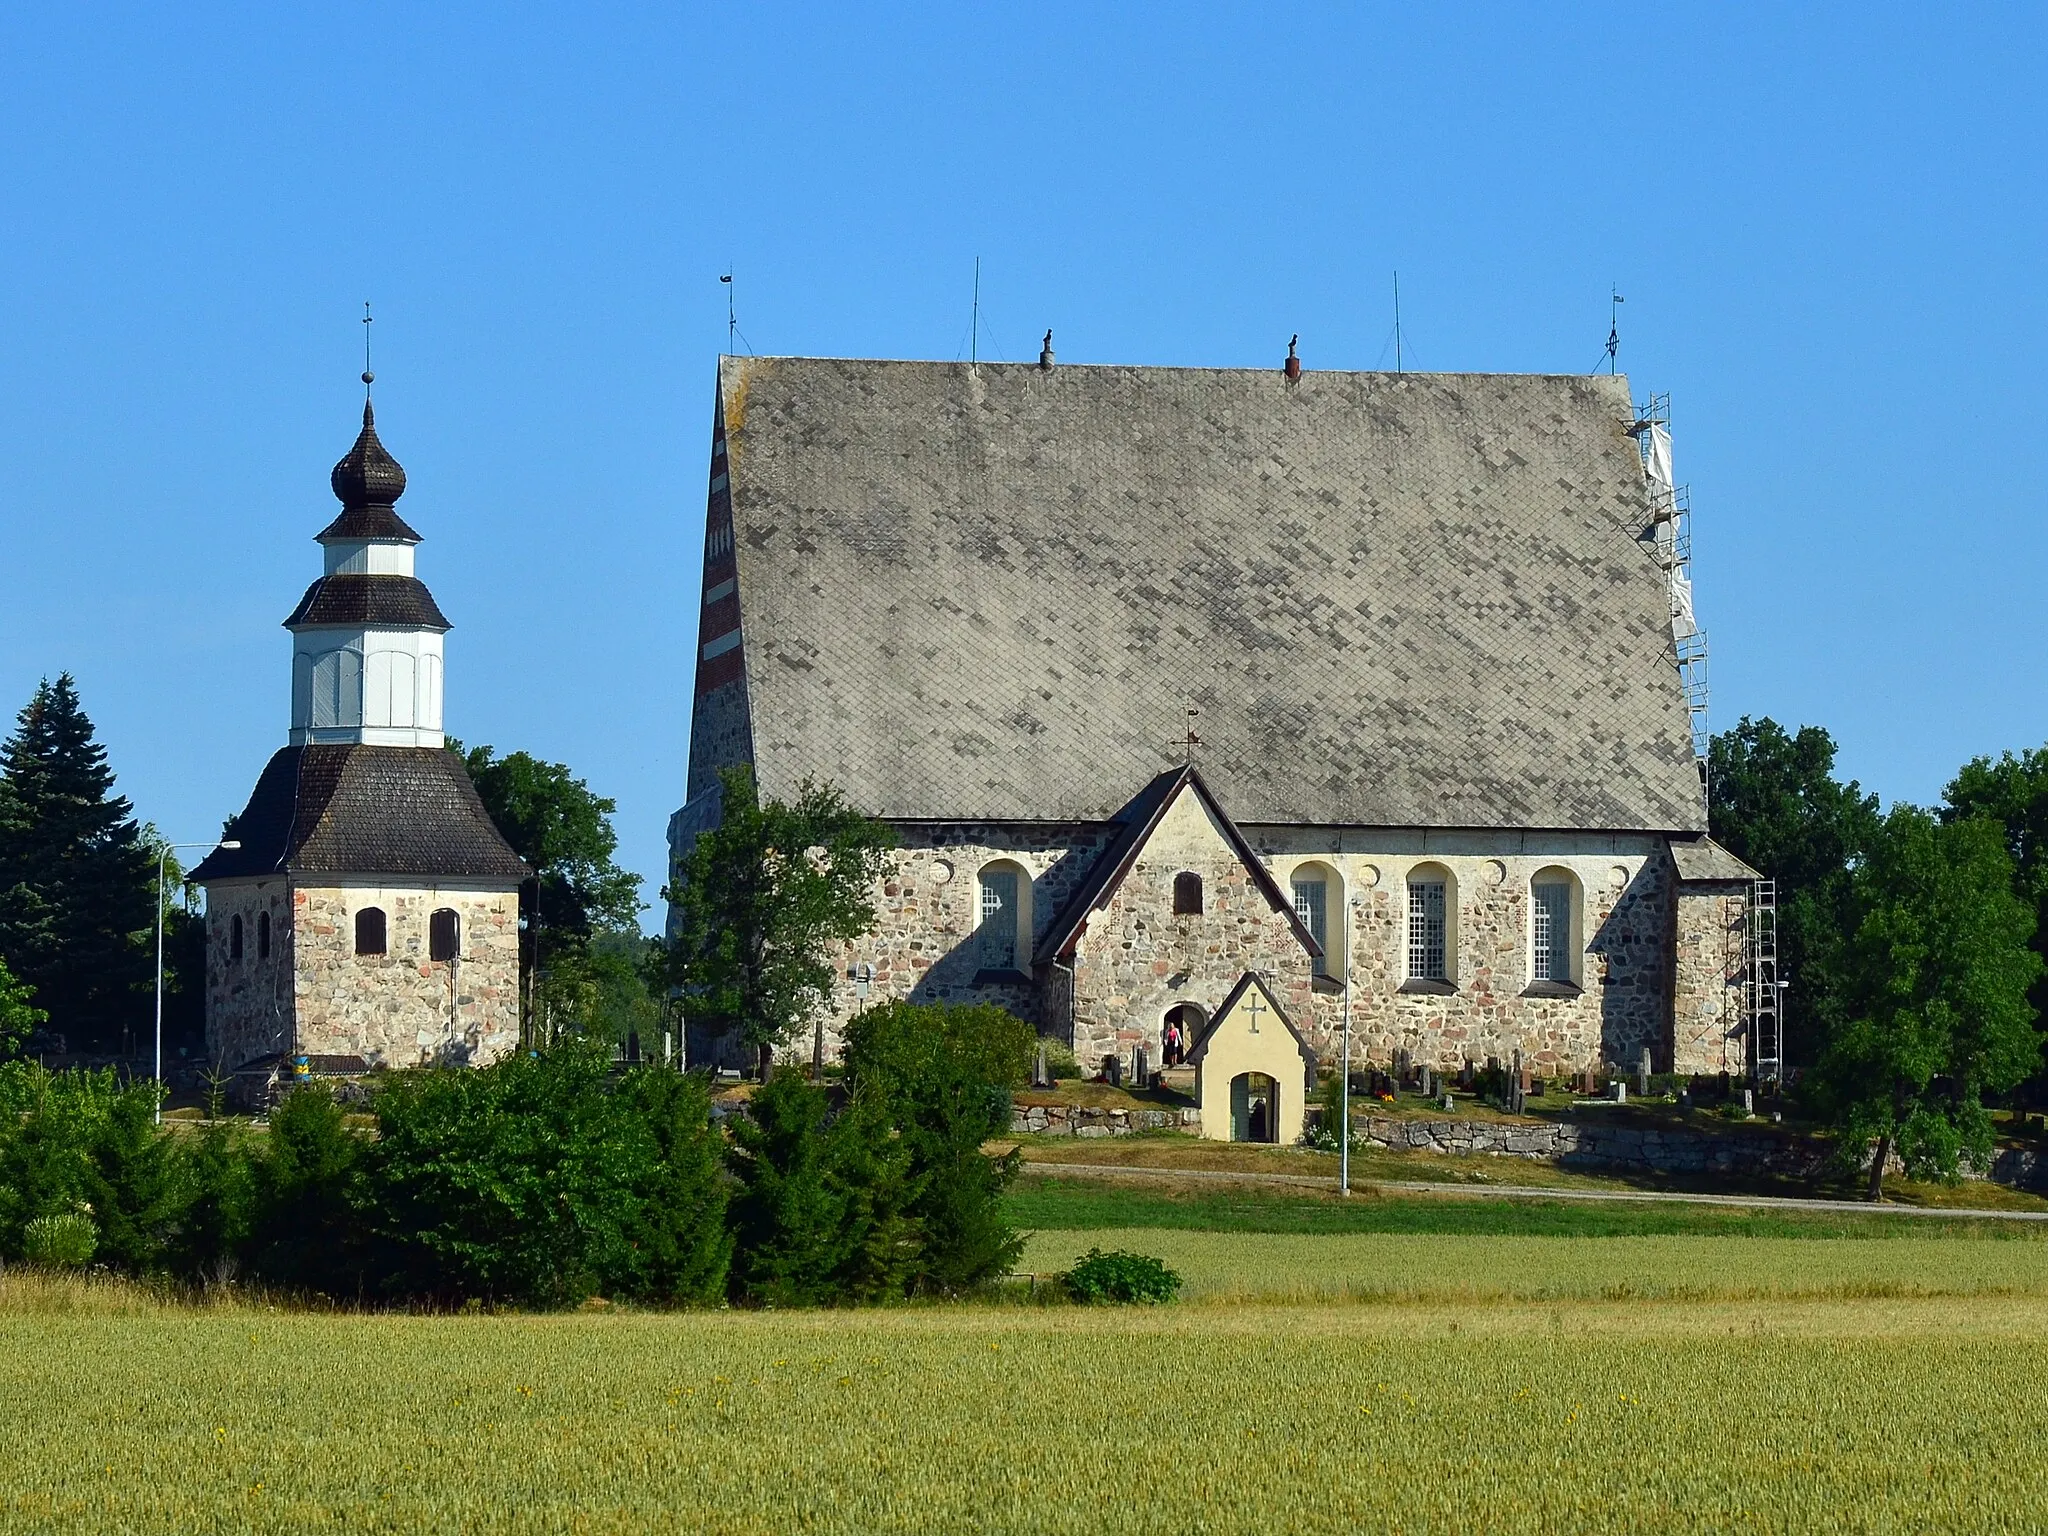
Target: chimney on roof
[
  {"x": 1293, "y": 362},
  {"x": 1045, "y": 354}
]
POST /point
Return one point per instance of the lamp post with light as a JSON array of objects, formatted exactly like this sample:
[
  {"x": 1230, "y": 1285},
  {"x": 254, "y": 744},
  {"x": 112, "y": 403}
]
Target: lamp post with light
[{"x": 163, "y": 858}]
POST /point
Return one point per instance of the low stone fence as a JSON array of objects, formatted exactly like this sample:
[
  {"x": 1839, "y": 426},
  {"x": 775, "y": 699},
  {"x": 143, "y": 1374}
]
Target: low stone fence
[
  {"x": 1074, "y": 1120},
  {"x": 1592, "y": 1145},
  {"x": 2021, "y": 1169}
]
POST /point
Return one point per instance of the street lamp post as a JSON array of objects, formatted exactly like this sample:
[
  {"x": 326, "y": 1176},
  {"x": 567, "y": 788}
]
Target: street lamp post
[
  {"x": 1344, "y": 1081},
  {"x": 162, "y": 858}
]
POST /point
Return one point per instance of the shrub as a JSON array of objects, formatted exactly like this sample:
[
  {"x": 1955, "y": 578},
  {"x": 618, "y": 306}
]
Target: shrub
[
  {"x": 72, "y": 1141},
  {"x": 501, "y": 1183},
  {"x": 822, "y": 1214},
  {"x": 678, "y": 1249},
  {"x": 307, "y": 1232},
  {"x": 65, "y": 1241},
  {"x": 1060, "y": 1062},
  {"x": 1120, "y": 1277},
  {"x": 945, "y": 1074}
]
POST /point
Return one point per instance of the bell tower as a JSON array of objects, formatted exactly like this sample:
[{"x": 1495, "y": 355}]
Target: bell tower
[{"x": 367, "y": 636}]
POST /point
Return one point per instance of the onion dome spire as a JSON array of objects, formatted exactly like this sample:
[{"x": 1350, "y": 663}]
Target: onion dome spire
[
  {"x": 367, "y": 475},
  {"x": 367, "y": 482}
]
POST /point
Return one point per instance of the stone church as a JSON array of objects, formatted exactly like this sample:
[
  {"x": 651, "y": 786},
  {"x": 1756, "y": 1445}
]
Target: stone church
[
  {"x": 370, "y": 915},
  {"x": 1363, "y": 684}
]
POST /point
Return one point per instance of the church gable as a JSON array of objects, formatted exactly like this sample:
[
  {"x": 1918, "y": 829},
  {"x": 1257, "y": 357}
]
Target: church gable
[{"x": 1178, "y": 910}]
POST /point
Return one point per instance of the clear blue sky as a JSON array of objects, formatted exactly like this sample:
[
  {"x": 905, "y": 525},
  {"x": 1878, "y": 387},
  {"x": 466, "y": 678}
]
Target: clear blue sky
[{"x": 1828, "y": 226}]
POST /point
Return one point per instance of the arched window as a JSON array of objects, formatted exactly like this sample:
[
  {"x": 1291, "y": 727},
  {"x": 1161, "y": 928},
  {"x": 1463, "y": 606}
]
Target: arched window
[
  {"x": 1555, "y": 928},
  {"x": 235, "y": 937},
  {"x": 262, "y": 935},
  {"x": 444, "y": 934},
  {"x": 1432, "y": 926},
  {"x": 370, "y": 931},
  {"x": 1187, "y": 894},
  {"x": 1004, "y": 932},
  {"x": 1319, "y": 903},
  {"x": 338, "y": 688}
]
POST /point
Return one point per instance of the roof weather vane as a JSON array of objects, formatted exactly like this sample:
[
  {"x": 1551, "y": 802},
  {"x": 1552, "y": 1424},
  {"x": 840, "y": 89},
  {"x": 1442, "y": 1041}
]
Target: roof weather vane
[
  {"x": 1189, "y": 743},
  {"x": 1615, "y": 301},
  {"x": 369, "y": 378}
]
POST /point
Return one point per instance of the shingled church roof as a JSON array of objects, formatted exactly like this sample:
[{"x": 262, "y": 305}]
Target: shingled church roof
[
  {"x": 362, "y": 810},
  {"x": 993, "y": 591}
]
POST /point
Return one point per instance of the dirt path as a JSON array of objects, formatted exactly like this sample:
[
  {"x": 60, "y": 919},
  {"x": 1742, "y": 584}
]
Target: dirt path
[{"x": 1521, "y": 1191}]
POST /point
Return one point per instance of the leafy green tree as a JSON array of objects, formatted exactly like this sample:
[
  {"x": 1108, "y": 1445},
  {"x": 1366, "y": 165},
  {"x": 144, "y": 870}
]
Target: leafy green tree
[
  {"x": 765, "y": 898},
  {"x": 1774, "y": 802},
  {"x": 578, "y": 894},
  {"x": 822, "y": 1214},
  {"x": 77, "y": 887},
  {"x": 1930, "y": 987},
  {"x": 946, "y": 1074},
  {"x": 19, "y": 1018},
  {"x": 2013, "y": 792}
]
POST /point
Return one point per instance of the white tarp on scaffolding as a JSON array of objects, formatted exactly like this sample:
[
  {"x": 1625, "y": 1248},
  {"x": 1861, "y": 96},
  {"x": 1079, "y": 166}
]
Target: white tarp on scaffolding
[
  {"x": 1659, "y": 464},
  {"x": 1683, "y": 626}
]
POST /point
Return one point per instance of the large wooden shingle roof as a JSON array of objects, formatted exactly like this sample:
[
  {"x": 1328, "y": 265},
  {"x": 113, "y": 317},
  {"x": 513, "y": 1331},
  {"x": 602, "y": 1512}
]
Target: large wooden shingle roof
[{"x": 993, "y": 591}]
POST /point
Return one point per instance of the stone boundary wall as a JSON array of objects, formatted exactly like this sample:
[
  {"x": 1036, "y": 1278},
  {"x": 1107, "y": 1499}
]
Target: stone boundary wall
[
  {"x": 1073, "y": 1120},
  {"x": 1579, "y": 1145}
]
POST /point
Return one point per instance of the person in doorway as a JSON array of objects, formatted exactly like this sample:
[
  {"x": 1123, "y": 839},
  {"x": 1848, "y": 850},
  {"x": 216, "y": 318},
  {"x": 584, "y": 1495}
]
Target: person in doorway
[
  {"x": 1258, "y": 1128},
  {"x": 1173, "y": 1042}
]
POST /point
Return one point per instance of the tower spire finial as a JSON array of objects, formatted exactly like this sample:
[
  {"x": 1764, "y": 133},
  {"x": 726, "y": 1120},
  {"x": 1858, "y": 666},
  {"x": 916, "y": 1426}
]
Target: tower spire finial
[{"x": 369, "y": 378}]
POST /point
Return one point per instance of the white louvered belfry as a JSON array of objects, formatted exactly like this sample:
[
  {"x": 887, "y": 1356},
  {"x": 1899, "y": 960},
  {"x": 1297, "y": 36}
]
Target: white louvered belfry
[{"x": 367, "y": 639}]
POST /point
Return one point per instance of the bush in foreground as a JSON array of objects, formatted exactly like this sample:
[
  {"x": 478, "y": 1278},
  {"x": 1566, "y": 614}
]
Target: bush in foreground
[{"x": 1121, "y": 1277}]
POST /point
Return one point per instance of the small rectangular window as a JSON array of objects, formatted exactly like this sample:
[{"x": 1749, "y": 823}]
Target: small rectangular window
[
  {"x": 1187, "y": 894},
  {"x": 1551, "y": 910},
  {"x": 1426, "y": 930}
]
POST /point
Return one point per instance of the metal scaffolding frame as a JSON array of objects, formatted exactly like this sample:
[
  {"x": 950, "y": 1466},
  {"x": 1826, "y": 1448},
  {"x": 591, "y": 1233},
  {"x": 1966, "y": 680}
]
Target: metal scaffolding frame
[{"x": 1764, "y": 993}]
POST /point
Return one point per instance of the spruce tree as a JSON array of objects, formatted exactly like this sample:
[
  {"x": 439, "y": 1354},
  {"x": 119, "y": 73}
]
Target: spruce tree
[{"x": 77, "y": 886}]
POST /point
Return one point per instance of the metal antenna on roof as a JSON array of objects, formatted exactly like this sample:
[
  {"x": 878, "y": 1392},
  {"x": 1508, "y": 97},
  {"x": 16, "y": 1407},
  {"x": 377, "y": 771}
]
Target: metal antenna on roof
[
  {"x": 974, "y": 325},
  {"x": 369, "y": 378},
  {"x": 1397, "y": 323}
]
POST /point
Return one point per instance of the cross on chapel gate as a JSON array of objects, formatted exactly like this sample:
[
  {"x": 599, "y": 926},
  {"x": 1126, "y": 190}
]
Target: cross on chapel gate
[{"x": 1255, "y": 1008}]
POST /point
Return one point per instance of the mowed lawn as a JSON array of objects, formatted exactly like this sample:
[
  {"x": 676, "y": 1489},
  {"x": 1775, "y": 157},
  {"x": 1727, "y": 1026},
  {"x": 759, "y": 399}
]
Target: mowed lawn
[{"x": 1688, "y": 1381}]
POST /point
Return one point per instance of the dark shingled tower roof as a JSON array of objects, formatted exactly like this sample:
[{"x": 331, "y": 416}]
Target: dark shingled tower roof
[
  {"x": 993, "y": 591},
  {"x": 356, "y": 810}
]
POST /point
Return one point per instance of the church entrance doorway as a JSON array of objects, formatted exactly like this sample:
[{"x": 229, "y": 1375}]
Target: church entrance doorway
[
  {"x": 1254, "y": 1108},
  {"x": 1179, "y": 1032}
]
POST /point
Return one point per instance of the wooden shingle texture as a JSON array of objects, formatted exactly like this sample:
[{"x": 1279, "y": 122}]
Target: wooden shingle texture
[{"x": 994, "y": 591}]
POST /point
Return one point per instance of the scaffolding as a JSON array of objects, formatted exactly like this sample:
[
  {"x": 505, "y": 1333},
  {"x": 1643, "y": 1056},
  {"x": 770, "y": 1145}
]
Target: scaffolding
[
  {"x": 1670, "y": 536},
  {"x": 1764, "y": 997}
]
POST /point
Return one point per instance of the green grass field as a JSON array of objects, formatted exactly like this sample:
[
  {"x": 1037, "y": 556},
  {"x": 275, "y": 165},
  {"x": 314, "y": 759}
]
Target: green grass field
[{"x": 1379, "y": 1364}]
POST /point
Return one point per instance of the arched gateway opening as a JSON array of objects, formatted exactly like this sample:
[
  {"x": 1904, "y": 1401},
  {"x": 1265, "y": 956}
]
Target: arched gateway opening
[{"x": 1254, "y": 1108}]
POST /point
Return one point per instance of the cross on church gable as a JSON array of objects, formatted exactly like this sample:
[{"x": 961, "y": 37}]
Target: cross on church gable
[{"x": 1253, "y": 1007}]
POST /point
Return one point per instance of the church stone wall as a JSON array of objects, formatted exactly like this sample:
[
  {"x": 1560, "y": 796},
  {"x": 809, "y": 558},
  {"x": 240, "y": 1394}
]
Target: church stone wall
[
  {"x": 1618, "y": 1000},
  {"x": 400, "y": 1008},
  {"x": 248, "y": 1001},
  {"x": 1707, "y": 977},
  {"x": 924, "y": 946}
]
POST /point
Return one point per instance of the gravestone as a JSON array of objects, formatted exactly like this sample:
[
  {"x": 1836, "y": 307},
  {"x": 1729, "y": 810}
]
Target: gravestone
[
  {"x": 1113, "y": 1071},
  {"x": 1586, "y": 1085},
  {"x": 1448, "y": 1106},
  {"x": 1748, "y": 1102},
  {"x": 1643, "y": 1074},
  {"x": 1041, "y": 1070},
  {"x": 1466, "y": 1075},
  {"x": 1620, "y": 1091},
  {"x": 1140, "y": 1078},
  {"x": 1428, "y": 1083}
]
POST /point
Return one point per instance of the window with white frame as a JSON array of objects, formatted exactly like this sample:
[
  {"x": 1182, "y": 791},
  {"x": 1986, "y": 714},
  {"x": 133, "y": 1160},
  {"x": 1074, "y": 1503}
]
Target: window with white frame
[
  {"x": 1550, "y": 906},
  {"x": 999, "y": 919},
  {"x": 1426, "y": 959},
  {"x": 1312, "y": 906}
]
